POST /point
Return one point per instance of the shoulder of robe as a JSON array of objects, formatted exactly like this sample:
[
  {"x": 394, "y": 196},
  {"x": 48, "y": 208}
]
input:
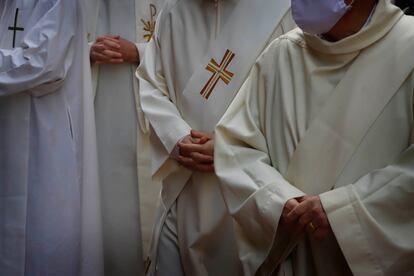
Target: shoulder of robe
[
  {"x": 283, "y": 45},
  {"x": 407, "y": 25},
  {"x": 405, "y": 30}
]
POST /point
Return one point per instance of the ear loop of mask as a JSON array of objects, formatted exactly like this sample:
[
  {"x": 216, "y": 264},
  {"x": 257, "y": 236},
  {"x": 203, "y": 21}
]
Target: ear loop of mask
[{"x": 350, "y": 5}]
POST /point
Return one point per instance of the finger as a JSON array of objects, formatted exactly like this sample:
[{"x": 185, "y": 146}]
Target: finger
[
  {"x": 291, "y": 204},
  {"x": 203, "y": 140},
  {"x": 201, "y": 135},
  {"x": 184, "y": 152},
  {"x": 107, "y": 55},
  {"x": 190, "y": 140},
  {"x": 198, "y": 134},
  {"x": 205, "y": 168},
  {"x": 321, "y": 233},
  {"x": 99, "y": 47},
  {"x": 299, "y": 210},
  {"x": 311, "y": 228},
  {"x": 108, "y": 37},
  {"x": 201, "y": 158},
  {"x": 112, "y": 54},
  {"x": 302, "y": 198},
  {"x": 306, "y": 219},
  {"x": 98, "y": 57},
  {"x": 111, "y": 44},
  {"x": 186, "y": 161},
  {"x": 112, "y": 37},
  {"x": 186, "y": 140},
  {"x": 191, "y": 147},
  {"x": 322, "y": 220}
]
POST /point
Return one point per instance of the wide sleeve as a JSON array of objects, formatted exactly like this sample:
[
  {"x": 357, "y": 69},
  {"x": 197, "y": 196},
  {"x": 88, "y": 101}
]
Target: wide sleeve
[
  {"x": 156, "y": 99},
  {"x": 43, "y": 59},
  {"x": 373, "y": 219},
  {"x": 254, "y": 191}
]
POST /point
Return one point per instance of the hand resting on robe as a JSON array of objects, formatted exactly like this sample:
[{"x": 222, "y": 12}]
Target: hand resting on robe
[
  {"x": 110, "y": 49},
  {"x": 290, "y": 226},
  {"x": 196, "y": 152},
  {"x": 306, "y": 214}
]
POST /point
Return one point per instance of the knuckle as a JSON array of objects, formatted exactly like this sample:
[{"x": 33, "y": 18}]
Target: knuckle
[
  {"x": 302, "y": 222},
  {"x": 314, "y": 212}
]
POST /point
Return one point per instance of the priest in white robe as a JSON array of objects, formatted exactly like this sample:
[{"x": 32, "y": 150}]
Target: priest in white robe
[
  {"x": 118, "y": 31},
  {"x": 316, "y": 153},
  {"x": 49, "y": 197},
  {"x": 198, "y": 59}
]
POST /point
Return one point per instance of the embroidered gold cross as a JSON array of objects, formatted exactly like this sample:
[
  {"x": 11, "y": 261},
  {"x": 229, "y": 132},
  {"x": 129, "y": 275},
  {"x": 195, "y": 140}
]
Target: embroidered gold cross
[
  {"x": 14, "y": 28},
  {"x": 149, "y": 26},
  {"x": 220, "y": 72}
]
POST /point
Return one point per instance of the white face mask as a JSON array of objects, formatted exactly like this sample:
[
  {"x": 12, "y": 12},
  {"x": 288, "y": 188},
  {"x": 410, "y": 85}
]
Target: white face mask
[{"x": 318, "y": 16}]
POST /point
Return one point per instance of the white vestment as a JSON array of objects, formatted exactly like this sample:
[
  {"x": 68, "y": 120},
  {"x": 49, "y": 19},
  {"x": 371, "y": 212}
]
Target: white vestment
[
  {"x": 49, "y": 197},
  {"x": 328, "y": 119},
  {"x": 129, "y": 197},
  {"x": 190, "y": 35}
]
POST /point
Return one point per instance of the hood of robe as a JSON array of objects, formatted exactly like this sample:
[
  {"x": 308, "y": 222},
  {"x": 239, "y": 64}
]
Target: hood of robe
[{"x": 385, "y": 16}]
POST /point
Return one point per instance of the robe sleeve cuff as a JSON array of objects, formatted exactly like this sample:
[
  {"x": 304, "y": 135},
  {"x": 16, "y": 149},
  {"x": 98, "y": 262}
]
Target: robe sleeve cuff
[
  {"x": 175, "y": 136},
  {"x": 341, "y": 208},
  {"x": 259, "y": 218},
  {"x": 141, "y": 50}
]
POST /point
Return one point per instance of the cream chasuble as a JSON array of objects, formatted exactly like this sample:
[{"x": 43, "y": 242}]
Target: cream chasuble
[
  {"x": 340, "y": 126},
  {"x": 129, "y": 197},
  {"x": 199, "y": 57},
  {"x": 49, "y": 200}
]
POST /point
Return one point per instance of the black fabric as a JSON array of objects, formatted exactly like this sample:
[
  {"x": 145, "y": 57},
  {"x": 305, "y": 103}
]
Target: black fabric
[{"x": 406, "y": 5}]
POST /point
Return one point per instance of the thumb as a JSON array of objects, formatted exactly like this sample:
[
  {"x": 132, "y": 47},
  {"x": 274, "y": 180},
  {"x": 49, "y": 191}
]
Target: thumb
[
  {"x": 197, "y": 134},
  {"x": 291, "y": 204}
]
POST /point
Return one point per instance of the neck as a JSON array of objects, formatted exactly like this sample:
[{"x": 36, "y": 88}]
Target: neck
[{"x": 353, "y": 21}]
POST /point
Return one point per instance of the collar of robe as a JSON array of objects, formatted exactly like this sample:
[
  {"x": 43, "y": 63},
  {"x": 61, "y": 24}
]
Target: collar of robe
[{"x": 383, "y": 20}]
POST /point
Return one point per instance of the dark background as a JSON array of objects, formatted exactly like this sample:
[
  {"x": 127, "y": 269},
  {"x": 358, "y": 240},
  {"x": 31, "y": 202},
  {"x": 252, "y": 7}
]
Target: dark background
[{"x": 406, "y": 5}]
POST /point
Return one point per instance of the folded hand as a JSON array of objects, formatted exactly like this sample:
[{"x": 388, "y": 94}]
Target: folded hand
[
  {"x": 106, "y": 50},
  {"x": 310, "y": 216},
  {"x": 197, "y": 152},
  {"x": 110, "y": 49}
]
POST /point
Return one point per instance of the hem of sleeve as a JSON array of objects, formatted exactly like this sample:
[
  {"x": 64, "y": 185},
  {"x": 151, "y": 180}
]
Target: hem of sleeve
[
  {"x": 339, "y": 205},
  {"x": 175, "y": 136},
  {"x": 176, "y": 151},
  {"x": 266, "y": 207},
  {"x": 141, "y": 50}
]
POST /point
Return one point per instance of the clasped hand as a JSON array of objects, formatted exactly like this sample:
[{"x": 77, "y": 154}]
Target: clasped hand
[
  {"x": 113, "y": 50},
  {"x": 196, "y": 152},
  {"x": 306, "y": 214}
]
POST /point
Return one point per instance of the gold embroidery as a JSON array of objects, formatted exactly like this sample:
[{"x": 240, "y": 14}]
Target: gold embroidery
[
  {"x": 149, "y": 26},
  {"x": 220, "y": 72}
]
